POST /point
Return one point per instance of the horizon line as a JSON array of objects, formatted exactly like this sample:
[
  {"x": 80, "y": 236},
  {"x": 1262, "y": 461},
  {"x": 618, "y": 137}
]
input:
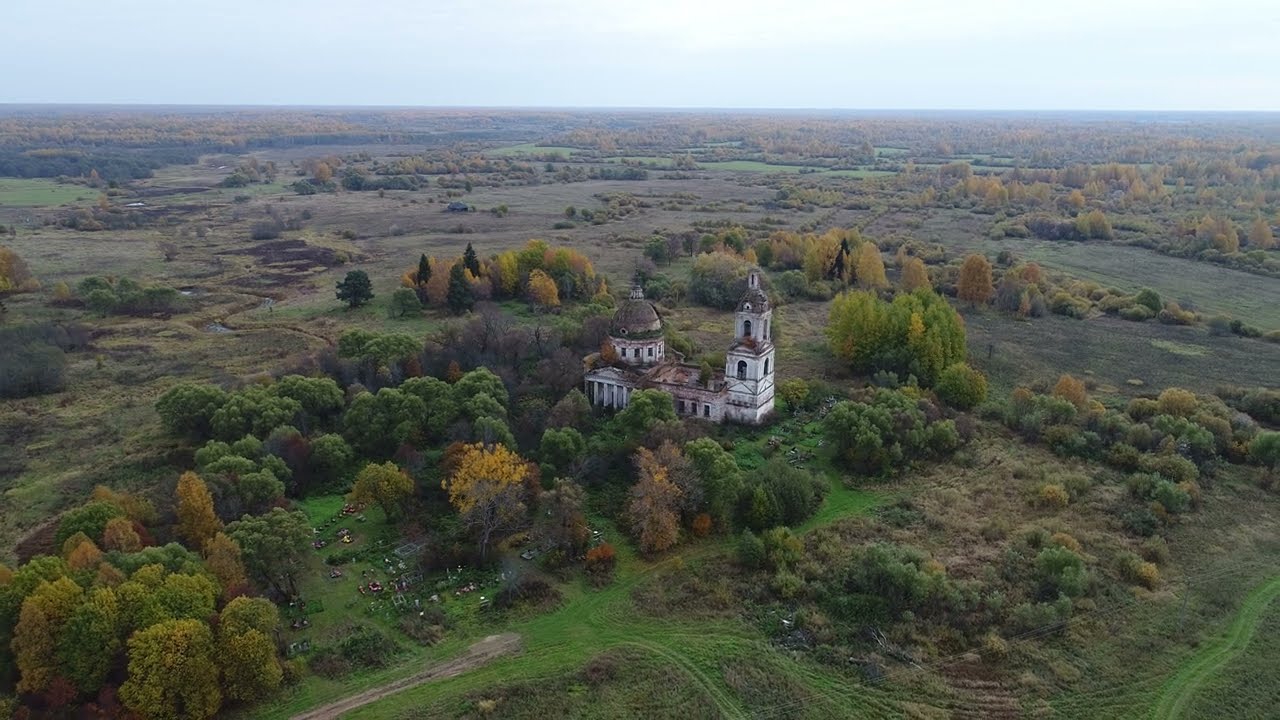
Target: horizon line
[{"x": 634, "y": 108}]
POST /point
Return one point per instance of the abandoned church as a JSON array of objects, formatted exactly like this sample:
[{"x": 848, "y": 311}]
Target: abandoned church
[{"x": 742, "y": 392}]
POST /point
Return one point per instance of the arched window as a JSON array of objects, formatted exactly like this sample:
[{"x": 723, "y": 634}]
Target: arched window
[
  {"x": 766, "y": 366},
  {"x": 746, "y": 328},
  {"x": 742, "y": 369}
]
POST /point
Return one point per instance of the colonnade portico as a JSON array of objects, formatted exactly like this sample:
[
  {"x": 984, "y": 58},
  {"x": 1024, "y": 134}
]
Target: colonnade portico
[{"x": 608, "y": 394}]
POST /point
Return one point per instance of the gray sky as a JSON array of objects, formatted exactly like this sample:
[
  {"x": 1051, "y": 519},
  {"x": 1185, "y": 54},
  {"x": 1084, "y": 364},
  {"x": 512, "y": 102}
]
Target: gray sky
[{"x": 1007, "y": 54}]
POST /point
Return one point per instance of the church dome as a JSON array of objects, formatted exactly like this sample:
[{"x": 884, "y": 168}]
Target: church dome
[{"x": 636, "y": 317}]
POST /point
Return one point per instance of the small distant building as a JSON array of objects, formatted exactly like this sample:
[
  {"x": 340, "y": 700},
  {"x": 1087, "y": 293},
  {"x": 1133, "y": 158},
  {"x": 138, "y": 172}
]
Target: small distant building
[
  {"x": 741, "y": 392},
  {"x": 456, "y": 206}
]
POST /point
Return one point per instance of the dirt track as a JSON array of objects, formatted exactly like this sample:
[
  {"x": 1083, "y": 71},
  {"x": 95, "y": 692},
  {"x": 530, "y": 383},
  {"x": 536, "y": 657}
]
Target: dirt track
[{"x": 478, "y": 654}]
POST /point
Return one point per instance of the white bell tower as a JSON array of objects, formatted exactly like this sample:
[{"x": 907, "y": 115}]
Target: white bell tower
[{"x": 749, "y": 363}]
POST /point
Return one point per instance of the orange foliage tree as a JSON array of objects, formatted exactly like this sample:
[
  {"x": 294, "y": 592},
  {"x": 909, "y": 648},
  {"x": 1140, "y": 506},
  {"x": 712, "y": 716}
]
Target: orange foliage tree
[
  {"x": 1072, "y": 390},
  {"x": 975, "y": 285},
  {"x": 654, "y": 509}
]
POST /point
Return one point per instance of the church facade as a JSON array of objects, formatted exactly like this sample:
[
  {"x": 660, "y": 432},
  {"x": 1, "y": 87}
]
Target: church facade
[{"x": 741, "y": 392}]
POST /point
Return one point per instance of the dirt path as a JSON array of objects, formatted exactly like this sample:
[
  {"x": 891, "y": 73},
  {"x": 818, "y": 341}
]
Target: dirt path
[
  {"x": 1181, "y": 688},
  {"x": 478, "y": 654}
]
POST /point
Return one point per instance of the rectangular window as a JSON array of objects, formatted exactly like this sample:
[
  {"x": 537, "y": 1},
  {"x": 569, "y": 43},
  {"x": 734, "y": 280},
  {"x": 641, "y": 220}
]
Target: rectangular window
[
  {"x": 680, "y": 407},
  {"x": 650, "y": 352},
  {"x": 706, "y": 411}
]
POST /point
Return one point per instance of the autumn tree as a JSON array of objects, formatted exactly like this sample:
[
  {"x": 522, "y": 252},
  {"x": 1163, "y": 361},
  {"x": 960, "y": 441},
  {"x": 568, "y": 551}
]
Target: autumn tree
[
  {"x": 542, "y": 290},
  {"x": 1072, "y": 390},
  {"x": 870, "y": 269},
  {"x": 222, "y": 559},
  {"x": 385, "y": 484},
  {"x": 1260, "y": 235},
  {"x": 15, "y": 276},
  {"x": 246, "y": 654},
  {"x": 654, "y": 506},
  {"x": 914, "y": 275},
  {"x": 172, "y": 673},
  {"x": 197, "y": 522},
  {"x": 44, "y": 613},
  {"x": 917, "y": 334},
  {"x": 608, "y": 353},
  {"x": 84, "y": 556},
  {"x": 486, "y": 486},
  {"x": 975, "y": 284}
]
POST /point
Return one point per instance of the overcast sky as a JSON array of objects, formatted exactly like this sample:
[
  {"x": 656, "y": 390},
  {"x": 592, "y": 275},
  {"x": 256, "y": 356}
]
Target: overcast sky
[{"x": 988, "y": 54}]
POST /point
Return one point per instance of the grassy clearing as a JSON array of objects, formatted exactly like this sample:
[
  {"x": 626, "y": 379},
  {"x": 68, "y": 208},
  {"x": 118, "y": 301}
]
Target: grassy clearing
[
  {"x": 16, "y": 192},
  {"x": 1204, "y": 669},
  {"x": 1249, "y": 685},
  {"x": 1111, "y": 353},
  {"x": 533, "y": 149},
  {"x": 1203, "y": 286}
]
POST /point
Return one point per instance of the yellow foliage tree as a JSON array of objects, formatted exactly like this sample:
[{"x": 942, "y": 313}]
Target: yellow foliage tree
[
  {"x": 172, "y": 672},
  {"x": 870, "y": 268},
  {"x": 975, "y": 285},
  {"x": 1260, "y": 235},
  {"x": 385, "y": 484},
  {"x": 483, "y": 470},
  {"x": 197, "y": 523},
  {"x": 1072, "y": 390},
  {"x": 1178, "y": 402},
  {"x": 15, "y": 276},
  {"x": 542, "y": 290},
  {"x": 914, "y": 275},
  {"x": 507, "y": 273},
  {"x": 40, "y": 623}
]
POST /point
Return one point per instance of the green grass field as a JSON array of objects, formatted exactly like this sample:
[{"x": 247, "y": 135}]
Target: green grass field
[
  {"x": 15, "y": 192},
  {"x": 1112, "y": 352},
  {"x": 1230, "y": 676},
  {"x": 533, "y": 149}
]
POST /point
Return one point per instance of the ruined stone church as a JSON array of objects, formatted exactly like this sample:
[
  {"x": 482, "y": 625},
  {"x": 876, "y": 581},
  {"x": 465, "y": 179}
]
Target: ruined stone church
[{"x": 741, "y": 392}]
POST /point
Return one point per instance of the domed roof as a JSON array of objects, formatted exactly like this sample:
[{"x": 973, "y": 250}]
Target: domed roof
[{"x": 636, "y": 317}]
